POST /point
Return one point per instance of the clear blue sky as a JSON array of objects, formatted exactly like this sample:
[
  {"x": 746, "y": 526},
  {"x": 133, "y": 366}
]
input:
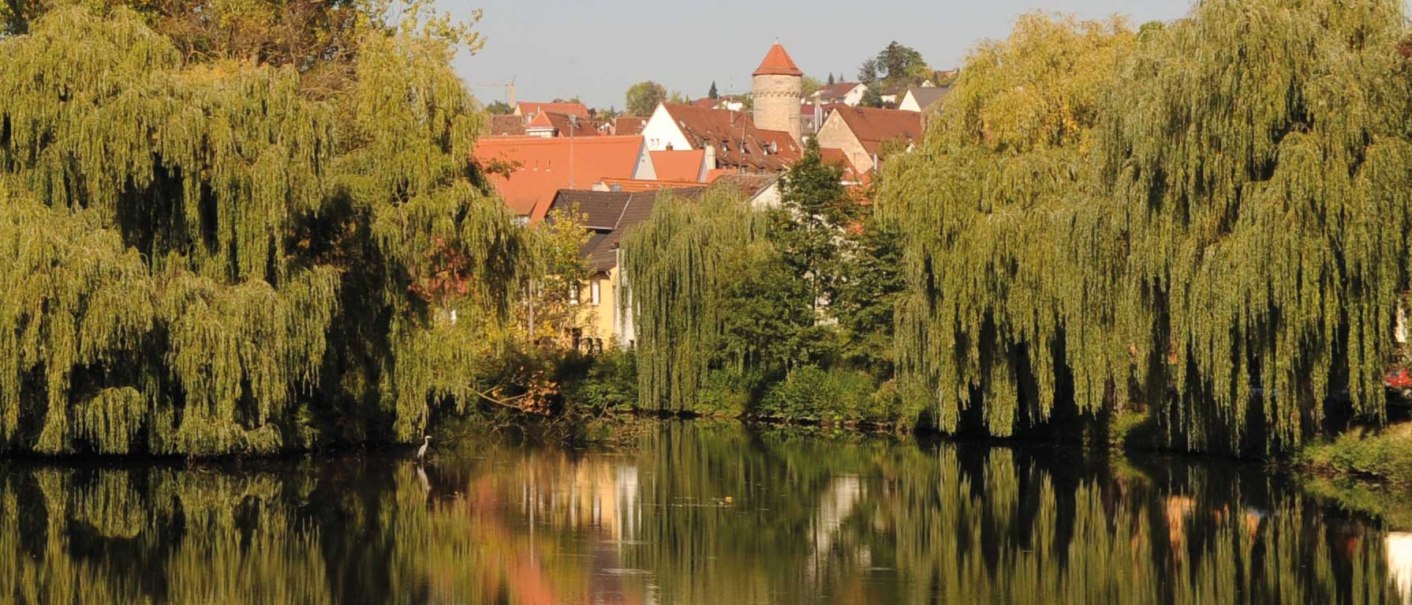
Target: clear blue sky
[{"x": 595, "y": 49}]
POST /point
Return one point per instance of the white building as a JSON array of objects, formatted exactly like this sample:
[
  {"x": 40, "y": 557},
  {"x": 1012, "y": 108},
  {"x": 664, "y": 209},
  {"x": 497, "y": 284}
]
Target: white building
[{"x": 846, "y": 93}]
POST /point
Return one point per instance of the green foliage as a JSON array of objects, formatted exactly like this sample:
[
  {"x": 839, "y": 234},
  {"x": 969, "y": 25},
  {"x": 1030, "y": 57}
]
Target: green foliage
[
  {"x": 1384, "y": 455},
  {"x": 197, "y": 249},
  {"x": 499, "y": 108},
  {"x": 811, "y": 85},
  {"x": 732, "y": 304},
  {"x": 986, "y": 208},
  {"x": 727, "y": 393},
  {"x": 679, "y": 265},
  {"x": 643, "y": 98},
  {"x": 869, "y": 286},
  {"x": 835, "y": 395},
  {"x": 814, "y": 211},
  {"x": 868, "y": 72},
  {"x": 1266, "y": 244},
  {"x": 768, "y": 324},
  {"x": 1216, "y": 207},
  {"x": 899, "y": 66},
  {"x": 712, "y": 94},
  {"x": 549, "y": 310},
  {"x": 319, "y": 39},
  {"x": 609, "y": 382}
]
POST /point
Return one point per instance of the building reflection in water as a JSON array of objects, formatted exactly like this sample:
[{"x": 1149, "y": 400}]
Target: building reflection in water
[
  {"x": 692, "y": 514},
  {"x": 1399, "y": 562}
]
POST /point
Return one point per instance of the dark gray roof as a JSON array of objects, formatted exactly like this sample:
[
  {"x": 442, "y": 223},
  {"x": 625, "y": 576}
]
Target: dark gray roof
[
  {"x": 749, "y": 185},
  {"x": 928, "y": 96},
  {"x": 599, "y": 210},
  {"x": 501, "y": 126},
  {"x": 609, "y": 215}
]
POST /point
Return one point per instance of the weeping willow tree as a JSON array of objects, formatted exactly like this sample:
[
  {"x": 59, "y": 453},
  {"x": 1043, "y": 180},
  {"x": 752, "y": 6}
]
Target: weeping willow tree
[
  {"x": 679, "y": 264},
  {"x": 1217, "y": 210},
  {"x": 1256, "y": 159},
  {"x": 993, "y": 314},
  {"x": 203, "y": 259},
  {"x": 438, "y": 234}
]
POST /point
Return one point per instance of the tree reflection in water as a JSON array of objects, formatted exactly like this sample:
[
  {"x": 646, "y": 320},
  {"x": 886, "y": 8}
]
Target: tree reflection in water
[{"x": 695, "y": 514}]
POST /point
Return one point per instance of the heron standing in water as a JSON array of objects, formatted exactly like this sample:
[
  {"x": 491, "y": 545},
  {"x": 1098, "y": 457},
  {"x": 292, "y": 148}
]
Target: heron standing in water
[{"x": 422, "y": 451}]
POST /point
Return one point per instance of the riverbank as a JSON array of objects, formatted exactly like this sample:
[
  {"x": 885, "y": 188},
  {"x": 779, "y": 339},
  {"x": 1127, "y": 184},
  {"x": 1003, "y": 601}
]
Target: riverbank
[{"x": 1365, "y": 471}]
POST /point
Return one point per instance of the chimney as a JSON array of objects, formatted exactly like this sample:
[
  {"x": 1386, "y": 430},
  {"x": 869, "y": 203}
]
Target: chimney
[{"x": 710, "y": 157}]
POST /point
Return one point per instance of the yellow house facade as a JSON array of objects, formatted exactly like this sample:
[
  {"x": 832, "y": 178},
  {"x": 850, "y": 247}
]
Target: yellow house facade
[{"x": 606, "y": 299}]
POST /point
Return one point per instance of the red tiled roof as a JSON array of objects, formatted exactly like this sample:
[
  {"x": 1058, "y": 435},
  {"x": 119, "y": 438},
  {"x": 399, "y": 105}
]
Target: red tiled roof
[
  {"x": 504, "y": 126},
  {"x": 777, "y": 63},
  {"x": 540, "y": 120},
  {"x": 738, "y": 143},
  {"x": 563, "y": 124},
  {"x": 644, "y": 185},
  {"x": 678, "y": 165},
  {"x": 749, "y": 185},
  {"x": 835, "y": 91},
  {"x": 528, "y": 108},
  {"x": 836, "y": 156},
  {"x": 873, "y": 127},
  {"x": 543, "y": 166},
  {"x": 628, "y": 125},
  {"x": 705, "y": 103}
]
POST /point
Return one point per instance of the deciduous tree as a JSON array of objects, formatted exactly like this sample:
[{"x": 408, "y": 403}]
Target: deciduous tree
[{"x": 644, "y": 97}]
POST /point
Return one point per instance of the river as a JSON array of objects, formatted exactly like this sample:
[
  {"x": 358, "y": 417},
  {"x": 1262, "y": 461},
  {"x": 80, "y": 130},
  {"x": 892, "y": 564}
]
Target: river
[{"x": 691, "y": 513}]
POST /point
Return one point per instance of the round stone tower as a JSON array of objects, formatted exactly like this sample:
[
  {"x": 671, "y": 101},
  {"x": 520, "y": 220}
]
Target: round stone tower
[{"x": 778, "y": 90}]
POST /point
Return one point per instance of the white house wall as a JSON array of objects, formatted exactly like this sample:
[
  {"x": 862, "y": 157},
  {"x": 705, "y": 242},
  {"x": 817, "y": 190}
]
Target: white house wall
[
  {"x": 661, "y": 132},
  {"x": 645, "y": 170},
  {"x": 909, "y": 103},
  {"x": 855, "y": 96},
  {"x": 768, "y": 199}
]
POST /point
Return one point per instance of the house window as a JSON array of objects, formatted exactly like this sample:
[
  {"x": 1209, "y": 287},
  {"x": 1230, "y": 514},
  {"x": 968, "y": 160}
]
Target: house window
[
  {"x": 574, "y": 294},
  {"x": 594, "y": 292}
]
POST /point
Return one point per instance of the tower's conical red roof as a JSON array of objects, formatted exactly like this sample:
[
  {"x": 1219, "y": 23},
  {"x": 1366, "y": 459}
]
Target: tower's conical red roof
[{"x": 778, "y": 63}]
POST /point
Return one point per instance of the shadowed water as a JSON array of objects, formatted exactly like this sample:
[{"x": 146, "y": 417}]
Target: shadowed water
[{"x": 692, "y": 514}]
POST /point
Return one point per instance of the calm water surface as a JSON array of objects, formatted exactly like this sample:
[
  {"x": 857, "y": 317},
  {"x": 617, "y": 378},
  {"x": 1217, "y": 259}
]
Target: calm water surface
[{"x": 692, "y": 514}]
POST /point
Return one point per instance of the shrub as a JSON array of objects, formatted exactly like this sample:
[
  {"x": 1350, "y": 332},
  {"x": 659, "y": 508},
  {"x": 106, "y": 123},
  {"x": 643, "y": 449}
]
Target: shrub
[
  {"x": 607, "y": 382},
  {"x": 724, "y": 394},
  {"x": 811, "y": 393}
]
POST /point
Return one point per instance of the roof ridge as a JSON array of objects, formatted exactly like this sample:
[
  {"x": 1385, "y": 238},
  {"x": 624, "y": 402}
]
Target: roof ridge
[{"x": 617, "y": 224}]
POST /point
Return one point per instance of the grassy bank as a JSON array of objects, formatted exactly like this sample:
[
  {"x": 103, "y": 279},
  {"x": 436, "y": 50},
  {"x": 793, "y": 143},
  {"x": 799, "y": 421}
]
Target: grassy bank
[
  {"x": 1366, "y": 471},
  {"x": 1383, "y": 455}
]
